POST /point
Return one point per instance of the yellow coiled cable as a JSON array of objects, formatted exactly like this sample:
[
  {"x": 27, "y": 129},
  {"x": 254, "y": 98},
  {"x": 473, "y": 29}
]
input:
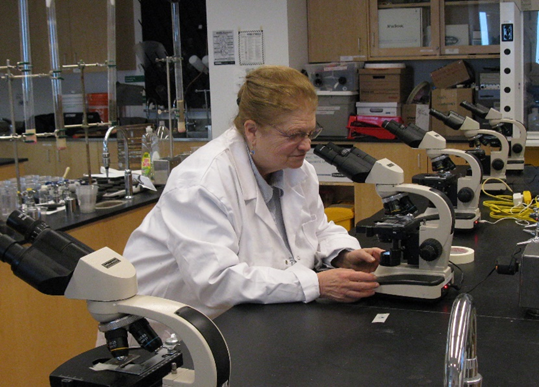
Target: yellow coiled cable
[{"x": 503, "y": 206}]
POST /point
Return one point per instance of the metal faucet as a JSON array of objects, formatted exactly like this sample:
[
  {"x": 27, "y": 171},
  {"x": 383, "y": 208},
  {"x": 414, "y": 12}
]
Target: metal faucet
[
  {"x": 461, "y": 349},
  {"x": 128, "y": 176}
]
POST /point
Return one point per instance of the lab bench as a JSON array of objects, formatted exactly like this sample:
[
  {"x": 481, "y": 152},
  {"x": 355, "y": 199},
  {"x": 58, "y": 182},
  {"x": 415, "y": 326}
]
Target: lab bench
[
  {"x": 325, "y": 343},
  {"x": 43, "y": 331}
]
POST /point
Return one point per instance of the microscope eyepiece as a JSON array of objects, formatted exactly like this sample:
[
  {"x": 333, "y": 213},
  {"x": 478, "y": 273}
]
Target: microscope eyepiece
[
  {"x": 477, "y": 109},
  {"x": 452, "y": 119},
  {"x": 411, "y": 135},
  {"x": 25, "y": 225}
]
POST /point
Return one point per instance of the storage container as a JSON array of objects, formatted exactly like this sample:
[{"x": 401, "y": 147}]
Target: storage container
[
  {"x": 341, "y": 215},
  {"x": 334, "y": 76},
  {"x": 334, "y": 108},
  {"x": 378, "y": 109}
]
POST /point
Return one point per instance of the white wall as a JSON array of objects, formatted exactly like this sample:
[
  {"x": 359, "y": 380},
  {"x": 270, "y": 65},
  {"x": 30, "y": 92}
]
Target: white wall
[{"x": 284, "y": 23}]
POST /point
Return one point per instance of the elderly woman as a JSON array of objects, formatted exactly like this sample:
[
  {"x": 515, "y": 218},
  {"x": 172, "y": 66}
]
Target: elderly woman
[{"x": 241, "y": 219}]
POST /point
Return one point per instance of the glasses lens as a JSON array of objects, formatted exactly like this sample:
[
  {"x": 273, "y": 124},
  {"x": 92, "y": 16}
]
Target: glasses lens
[{"x": 316, "y": 132}]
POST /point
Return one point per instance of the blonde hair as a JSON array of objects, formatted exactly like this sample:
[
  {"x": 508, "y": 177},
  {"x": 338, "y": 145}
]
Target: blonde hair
[{"x": 270, "y": 93}]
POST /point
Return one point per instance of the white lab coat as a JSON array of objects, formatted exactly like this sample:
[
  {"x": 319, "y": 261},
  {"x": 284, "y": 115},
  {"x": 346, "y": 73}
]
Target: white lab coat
[{"x": 211, "y": 242}]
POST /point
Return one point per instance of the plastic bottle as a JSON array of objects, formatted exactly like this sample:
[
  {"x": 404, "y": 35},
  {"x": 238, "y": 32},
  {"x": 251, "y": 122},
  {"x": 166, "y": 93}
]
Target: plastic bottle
[
  {"x": 163, "y": 134},
  {"x": 147, "y": 151},
  {"x": 533, "y": 119}
]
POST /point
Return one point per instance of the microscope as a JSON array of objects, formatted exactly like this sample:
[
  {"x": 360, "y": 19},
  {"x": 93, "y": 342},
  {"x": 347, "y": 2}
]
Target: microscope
[
  {"x": 57, "y": 264},
  {"x": 513, "y": 130},
  {"x": 464, "y": 191},
  {"x": 416, "y": 266},
  {"x": 495, "y": 164}
]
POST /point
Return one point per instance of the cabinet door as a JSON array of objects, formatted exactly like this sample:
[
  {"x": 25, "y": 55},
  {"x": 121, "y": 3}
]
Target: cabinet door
[
  {"x": 87, "y": 24},
  {"x": 404, "y": 29},
  {"x": 81, "y": 32},
  {"x": 470, "y": 27},
  {"x": 338, "y": 30}
]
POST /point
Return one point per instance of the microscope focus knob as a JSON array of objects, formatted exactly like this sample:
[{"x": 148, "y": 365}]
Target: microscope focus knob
[
  {"x": 466, "y": 195},
  {"x": 517, "y": 148},
  {"x": 430, "y": 250},
  {"x": 498, "y": 164}
]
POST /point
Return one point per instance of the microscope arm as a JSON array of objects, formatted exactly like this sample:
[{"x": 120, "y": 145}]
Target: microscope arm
[
  {"x": 519, "y": 131},
  {"x": 442, "y": 231},
  {"x": 473, "y": 180},
  {"x": 206, "y": 345}
]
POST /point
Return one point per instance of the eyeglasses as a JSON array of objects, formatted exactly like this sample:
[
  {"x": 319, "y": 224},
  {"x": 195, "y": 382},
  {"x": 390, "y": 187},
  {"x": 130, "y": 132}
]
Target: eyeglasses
[{"x": 299, "y": 136}]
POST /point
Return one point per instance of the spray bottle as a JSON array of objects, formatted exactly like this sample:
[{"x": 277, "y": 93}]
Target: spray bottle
[{"x": 150, "y": 152}]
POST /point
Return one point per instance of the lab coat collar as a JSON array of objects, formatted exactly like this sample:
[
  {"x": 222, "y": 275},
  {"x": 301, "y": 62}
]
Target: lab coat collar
[{"x": 291, "y": 177}]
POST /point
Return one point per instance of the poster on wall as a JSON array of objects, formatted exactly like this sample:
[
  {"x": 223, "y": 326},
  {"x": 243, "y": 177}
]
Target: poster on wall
[
  {"x": 251, "y": 47},
  {"x": 223, "y": 48}
]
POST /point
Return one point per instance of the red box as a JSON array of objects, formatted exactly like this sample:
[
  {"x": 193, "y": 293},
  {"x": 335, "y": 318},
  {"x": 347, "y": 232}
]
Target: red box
[{"x": 359, "y": 126}]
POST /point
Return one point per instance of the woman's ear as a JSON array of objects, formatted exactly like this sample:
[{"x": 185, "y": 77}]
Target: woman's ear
[{"x": 250, "y": 127}]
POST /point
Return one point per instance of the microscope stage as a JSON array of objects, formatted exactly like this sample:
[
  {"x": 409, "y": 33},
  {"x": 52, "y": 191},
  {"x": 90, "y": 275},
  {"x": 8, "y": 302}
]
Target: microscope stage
[{"x": 414, "y": 283}]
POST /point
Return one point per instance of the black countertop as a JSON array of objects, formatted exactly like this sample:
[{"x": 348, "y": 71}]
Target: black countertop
[
  {"x": 62, "y": 222},
  {"x": 324, "y": 343},
  {"x": 9, "y": 161}
]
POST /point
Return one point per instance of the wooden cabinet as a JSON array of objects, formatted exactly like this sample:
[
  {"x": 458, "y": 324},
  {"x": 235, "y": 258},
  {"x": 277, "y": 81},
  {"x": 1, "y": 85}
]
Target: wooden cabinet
[
  {"x": 404, "y": 29},
  {"x": 81, "y": 30},
  {"x": 470, "y": 27},
  {"x": 45, "y": 160},
  {"x": 363, "y": 30},
  {"x": 338, "y": 30}
]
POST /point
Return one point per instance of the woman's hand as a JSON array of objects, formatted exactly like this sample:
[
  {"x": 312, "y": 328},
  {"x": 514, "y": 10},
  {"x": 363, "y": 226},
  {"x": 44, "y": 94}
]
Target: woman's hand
[
  {"x": 346, "y": 285},
  {"x": 366, "y": 260}
]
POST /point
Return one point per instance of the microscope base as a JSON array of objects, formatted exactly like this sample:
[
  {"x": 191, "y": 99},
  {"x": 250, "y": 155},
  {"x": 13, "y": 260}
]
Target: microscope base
[
  {"x": 464, "y": 219},
  {"x": 411, "y": 282},
  {"x": 494, "y": 185},
  {"x": 515, "y": 166}
]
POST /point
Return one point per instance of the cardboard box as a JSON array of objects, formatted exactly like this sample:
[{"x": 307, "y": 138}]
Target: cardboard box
[
  {"x": 417, "y": 114},
  {"x": 400, "y": 27},
  {"x": 451, "y": 75},
  {"x": 445, "y": 100},
  {"x": 385, "y": 85},
  {"x": 378, "y": 109}
]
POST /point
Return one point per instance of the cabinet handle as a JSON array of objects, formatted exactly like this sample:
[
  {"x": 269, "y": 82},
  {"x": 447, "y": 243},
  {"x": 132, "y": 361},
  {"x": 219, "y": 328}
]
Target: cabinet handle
[
  {"x": 359, "y": 45},
  {"x": 419, "y": 161},
  {"x": 48, "y": 155}
]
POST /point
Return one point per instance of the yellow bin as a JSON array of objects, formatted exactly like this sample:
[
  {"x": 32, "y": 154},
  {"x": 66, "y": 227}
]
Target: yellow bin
[{"x": 343, "y": 216}]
